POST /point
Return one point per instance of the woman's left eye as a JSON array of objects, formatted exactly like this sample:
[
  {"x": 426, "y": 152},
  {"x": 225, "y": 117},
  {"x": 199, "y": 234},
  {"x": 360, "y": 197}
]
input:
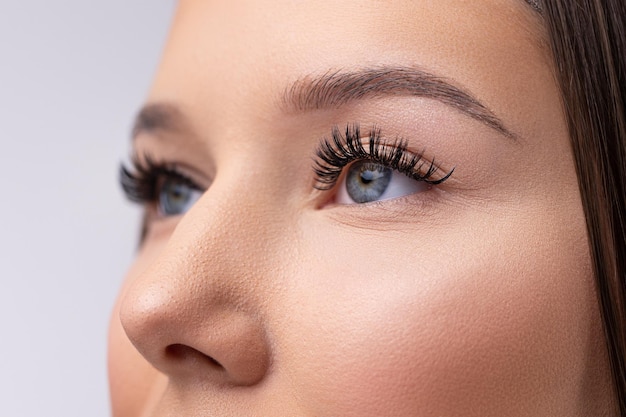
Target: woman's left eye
[
  {"x": 175, "y": 196},
  {"x": 366, "y": 181}
]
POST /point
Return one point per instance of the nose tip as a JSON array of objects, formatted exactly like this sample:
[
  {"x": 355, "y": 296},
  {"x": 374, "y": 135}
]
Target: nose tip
[{"x": 186, "y": 334}]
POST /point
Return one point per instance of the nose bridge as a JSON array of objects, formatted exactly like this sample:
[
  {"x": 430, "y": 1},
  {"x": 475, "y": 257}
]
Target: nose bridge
[{"x": 201, "y": 301}]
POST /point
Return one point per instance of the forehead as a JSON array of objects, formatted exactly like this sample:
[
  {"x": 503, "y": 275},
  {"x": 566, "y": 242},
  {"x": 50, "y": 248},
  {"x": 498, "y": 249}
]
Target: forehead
[{"x": 231, "y": 56}]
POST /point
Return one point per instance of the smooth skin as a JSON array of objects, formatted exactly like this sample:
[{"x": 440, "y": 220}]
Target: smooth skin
[{"x": 270, "y": 297}]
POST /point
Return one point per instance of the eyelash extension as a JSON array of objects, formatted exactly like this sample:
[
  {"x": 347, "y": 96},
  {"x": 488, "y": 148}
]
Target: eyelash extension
[
  {"x": 140, "y": 182},
  {"x": 334, "y": 155}
]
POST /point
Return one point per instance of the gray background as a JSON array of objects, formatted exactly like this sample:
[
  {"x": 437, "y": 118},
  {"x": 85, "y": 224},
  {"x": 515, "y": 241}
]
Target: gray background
[{"x": 72, "y": 75}]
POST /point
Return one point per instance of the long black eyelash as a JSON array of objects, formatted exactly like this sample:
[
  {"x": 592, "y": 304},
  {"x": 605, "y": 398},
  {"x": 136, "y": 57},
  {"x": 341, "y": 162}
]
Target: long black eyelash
[
  {"x": 141, "y": 181},
  {"x": 333, "y": 155}
]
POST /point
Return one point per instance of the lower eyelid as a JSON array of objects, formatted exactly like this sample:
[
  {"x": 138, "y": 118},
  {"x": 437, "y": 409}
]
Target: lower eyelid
[{"x": 401, "y": 214}]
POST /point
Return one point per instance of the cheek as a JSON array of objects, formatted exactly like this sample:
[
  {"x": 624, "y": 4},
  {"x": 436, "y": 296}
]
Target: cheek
[{"x": 490, "y": 320}]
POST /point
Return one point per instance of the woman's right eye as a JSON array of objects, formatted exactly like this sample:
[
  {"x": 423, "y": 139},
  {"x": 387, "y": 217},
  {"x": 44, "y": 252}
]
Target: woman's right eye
[
  {"x": 175, "y": 196},
  {"x": 159, "y": 186}
]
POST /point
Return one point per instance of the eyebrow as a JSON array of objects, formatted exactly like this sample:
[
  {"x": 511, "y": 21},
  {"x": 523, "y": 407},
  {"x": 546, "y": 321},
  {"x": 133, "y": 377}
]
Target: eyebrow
[
  {"x": 158, "y": 116},
  {"x": 334, "y": 89},
  {"x": 337, "y": 88}
]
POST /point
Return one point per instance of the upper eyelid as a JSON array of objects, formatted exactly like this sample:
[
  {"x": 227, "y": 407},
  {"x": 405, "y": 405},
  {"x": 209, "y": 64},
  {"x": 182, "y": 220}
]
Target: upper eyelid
[
  {"x": 333, "y": 156},
  {"x": 139, "y": 181},
  {"x": 185, "y": 171}
]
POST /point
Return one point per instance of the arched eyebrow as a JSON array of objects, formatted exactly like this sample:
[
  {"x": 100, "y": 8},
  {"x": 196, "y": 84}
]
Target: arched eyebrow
[
  {"x": 158, "y": 116},
  {"x": 334, "y": 89},
  {"x": 337, "y": 88}
]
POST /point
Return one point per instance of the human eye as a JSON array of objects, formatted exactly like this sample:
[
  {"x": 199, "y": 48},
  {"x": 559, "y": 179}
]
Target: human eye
[
  {"x": 161, "y": 186},
  {"x": 375, "y": 170}
]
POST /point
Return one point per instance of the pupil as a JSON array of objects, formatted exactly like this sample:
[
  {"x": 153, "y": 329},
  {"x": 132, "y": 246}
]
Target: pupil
[
  {"x": 367, "y": 177},
  {"x": 176, "y": 192}
]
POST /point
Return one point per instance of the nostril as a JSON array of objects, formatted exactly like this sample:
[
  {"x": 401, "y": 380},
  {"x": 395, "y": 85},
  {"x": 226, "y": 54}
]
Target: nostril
[
  {"x": 216, "y": 343},
  {"x": 183, "y": 353}
]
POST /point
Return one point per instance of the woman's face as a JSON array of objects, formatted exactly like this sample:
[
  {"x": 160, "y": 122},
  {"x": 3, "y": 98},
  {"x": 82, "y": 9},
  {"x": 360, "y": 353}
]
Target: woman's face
[{"x": 432, "y": 263}]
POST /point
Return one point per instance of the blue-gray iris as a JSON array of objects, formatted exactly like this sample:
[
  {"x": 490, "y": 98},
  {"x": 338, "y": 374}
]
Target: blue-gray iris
[
  {"x": 367, "y": 181},
  {"x": 175, "y": 197}
]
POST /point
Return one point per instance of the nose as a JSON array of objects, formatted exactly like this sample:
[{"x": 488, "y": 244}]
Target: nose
[{"x": 196, "y": 311}]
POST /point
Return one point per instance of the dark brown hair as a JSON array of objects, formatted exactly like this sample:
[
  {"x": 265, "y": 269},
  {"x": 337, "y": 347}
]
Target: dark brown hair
[{"x": 588, "y": 40}]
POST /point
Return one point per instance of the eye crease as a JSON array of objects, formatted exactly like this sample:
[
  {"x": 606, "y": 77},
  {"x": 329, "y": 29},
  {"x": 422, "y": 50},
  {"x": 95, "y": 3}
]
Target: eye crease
[{"x": 375, "y": 171}]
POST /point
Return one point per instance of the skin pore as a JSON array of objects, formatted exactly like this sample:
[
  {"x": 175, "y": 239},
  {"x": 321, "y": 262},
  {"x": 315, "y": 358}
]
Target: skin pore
[{"x": 272, "y": 295}]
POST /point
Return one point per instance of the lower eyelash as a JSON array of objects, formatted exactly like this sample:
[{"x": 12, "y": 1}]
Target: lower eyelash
[{"x": 333, "y": 155}]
